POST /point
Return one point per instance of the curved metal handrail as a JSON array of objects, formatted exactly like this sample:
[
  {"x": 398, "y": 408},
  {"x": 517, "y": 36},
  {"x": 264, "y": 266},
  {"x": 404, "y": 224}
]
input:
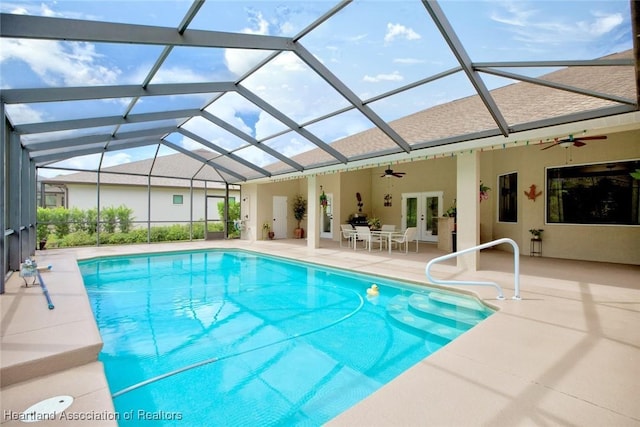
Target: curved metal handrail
[{"x": 516, "y": 267}]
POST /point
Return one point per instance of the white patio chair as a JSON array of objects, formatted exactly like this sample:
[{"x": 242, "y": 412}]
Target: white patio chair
[
  {"x": 364, "y": 234},
  {"x": 387, "y": 228},
  {"x": 347, "y": 232},
  {"x": 408, "y": 236}
]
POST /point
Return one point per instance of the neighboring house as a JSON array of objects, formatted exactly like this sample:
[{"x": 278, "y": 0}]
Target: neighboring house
[
  {"x": 170, "y": 200},
  {"x": 50, "y": 195}
]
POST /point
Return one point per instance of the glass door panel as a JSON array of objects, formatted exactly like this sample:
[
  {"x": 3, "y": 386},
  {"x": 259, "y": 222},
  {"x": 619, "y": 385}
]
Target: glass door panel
[
  {"x": 411, "y": 211},
  {"x": 326, "y": 219}
]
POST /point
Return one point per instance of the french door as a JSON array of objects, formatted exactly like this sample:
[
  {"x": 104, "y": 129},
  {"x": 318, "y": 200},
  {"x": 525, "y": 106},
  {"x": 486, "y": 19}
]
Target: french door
[{"x": 422, "y": 210}]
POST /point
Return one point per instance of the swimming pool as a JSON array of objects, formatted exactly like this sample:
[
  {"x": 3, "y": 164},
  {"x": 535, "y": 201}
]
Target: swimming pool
[{"x": 235, "y": 338}]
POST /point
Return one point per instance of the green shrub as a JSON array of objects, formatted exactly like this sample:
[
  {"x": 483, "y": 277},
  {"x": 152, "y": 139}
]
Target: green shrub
[
  {"x": 120, "y": 238},
  {"x": 75, "y": 227},
  {"x": 78, "y": 220},
  {"x": 43, "y": 217},
  {"x": 60, "y": 219},
  {"x": 77, "y": 238},
  {"x": 125, "y": 219},
  {"x": 91, "y": 216},
  {"x": 109, "y": 219},
  {"x": 158, "y": 234},
  {"x": 177, "y": 232}
]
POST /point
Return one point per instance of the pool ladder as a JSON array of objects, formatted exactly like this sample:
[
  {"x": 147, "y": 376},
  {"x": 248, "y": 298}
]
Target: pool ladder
[{"x": 516, "y": 268}]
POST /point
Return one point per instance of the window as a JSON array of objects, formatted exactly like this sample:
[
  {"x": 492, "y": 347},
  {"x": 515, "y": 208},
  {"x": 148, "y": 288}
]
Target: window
[
  {"x": 604, "y": 193},
  {"x": 508, "y": 197},
  {"x": 177, "y": 199}
]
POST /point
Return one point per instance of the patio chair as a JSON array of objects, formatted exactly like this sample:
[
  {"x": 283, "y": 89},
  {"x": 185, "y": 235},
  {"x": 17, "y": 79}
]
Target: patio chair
[
  {"x": 347, "y": 232},
  {"x": 408, "y": 236},
  {"x": 364, "y": 234},
  {"x": 387, "y": 228}
]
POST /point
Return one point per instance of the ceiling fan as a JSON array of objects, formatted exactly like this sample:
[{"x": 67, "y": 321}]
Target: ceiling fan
[
  {"x": 576, "y": 142},
  {"x": 388, "y": 173}
]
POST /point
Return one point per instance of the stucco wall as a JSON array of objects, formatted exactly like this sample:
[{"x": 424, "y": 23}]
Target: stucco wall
[
  {"x": 421, "y": 176},
  {"x": 609, "y": 243},
  {"x": 261, "y": 205}
]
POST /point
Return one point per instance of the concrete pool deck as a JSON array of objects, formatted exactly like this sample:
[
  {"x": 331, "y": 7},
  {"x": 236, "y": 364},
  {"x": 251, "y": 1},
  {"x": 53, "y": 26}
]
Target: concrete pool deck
[{"x": 567, "y": 354}]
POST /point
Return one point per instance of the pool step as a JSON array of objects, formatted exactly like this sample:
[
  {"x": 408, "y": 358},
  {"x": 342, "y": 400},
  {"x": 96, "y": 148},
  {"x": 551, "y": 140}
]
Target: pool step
[
  {"x": 455, "y": 311},
  {"x": 459, "y": 302},
  {"x": 437, "y": 315},
  {"x": 398, "y": 310}
]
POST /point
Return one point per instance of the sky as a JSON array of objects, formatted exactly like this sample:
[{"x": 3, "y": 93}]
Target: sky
[{"x": 372, "y": 46}]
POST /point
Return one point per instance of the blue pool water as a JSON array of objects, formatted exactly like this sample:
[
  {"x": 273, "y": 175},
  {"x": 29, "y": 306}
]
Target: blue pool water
[{"x": 230, "y": 338}]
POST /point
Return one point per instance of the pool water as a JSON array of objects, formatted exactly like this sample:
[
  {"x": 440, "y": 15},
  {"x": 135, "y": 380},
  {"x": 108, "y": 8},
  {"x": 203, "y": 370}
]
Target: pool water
[{"x": 231, "y": 338}]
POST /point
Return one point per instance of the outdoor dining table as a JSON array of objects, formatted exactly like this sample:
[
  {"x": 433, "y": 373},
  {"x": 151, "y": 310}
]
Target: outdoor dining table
[{"x": 388, "y": 234}]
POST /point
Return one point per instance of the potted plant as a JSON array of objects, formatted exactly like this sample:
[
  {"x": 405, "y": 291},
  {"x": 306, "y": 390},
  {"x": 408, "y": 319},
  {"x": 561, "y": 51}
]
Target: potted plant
[
  {"x": 324, "y": 201},
  {"x": 299, "y": 210},
  {"x": 536, "y": 233},
  {"x": 484, "y": 192},
  {"x": 266, "y": 228},
  {"x": 452, "y": 211},
  {"x": 374, "y": 223}
]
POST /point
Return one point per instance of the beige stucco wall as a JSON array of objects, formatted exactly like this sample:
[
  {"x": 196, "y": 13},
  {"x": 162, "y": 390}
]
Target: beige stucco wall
[
  {"x": 425, "y": 175},
  {"x": 353, "y": 182},
  {"x": 608, "y": 243},
  {"x": 261, "y": 205}
]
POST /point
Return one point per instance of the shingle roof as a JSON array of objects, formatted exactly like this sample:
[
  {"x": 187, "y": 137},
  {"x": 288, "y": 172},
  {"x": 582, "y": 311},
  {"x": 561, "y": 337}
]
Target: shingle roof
[
  {"x": 173, "y": 170},
  {"x": 520, "y": 103}
]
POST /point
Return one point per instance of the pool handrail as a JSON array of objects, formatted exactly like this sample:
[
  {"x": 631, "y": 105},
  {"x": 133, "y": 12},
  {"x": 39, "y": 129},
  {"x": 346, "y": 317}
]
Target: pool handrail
[{"x": 516, "y": 268}]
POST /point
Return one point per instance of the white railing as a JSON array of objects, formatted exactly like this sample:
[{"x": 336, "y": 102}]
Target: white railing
[{"x": 516, "y": 268}]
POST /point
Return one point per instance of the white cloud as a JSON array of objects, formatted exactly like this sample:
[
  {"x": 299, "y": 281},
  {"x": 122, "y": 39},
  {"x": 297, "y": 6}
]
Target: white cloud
[
  {"x": 88, "y": 162},
  {"x": 531, "y": 25},
  {"x": 603, "y": 24},
  {"x": 409, "y": 61},
  {"x": 115, "y": 158},
  {"x": 395, "y": 31},
  {"x": 259, "y": 24},
  {"x": 516, "y": 15},
  {"x": 61, "y": 63},
  {"x": 23, "y": 113},
  {"x": 393, "y": 77}
]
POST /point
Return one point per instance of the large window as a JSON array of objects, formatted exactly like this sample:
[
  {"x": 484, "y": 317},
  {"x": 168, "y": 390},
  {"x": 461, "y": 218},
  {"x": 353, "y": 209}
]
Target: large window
[
  {"x": 604, "y": 193},
  {"x": 508, "y": 197}
]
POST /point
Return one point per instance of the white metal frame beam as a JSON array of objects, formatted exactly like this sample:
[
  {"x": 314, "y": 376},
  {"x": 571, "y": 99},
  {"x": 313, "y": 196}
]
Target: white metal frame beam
[{"x": 46, "y": 28}]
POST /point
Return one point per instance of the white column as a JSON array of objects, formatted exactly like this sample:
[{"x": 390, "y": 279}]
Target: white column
[
  {"x": 468, "y": 208},
  {"x": 313, "y": 213}
]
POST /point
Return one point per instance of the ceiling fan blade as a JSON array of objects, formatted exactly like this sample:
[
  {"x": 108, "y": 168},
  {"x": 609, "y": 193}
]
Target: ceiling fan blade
[
  {"x": 590, "y": 138},
  {"x": 390, "y": 172},
  {"x": 552, "y": 145},
  {"x": 578, "y": 143}
]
